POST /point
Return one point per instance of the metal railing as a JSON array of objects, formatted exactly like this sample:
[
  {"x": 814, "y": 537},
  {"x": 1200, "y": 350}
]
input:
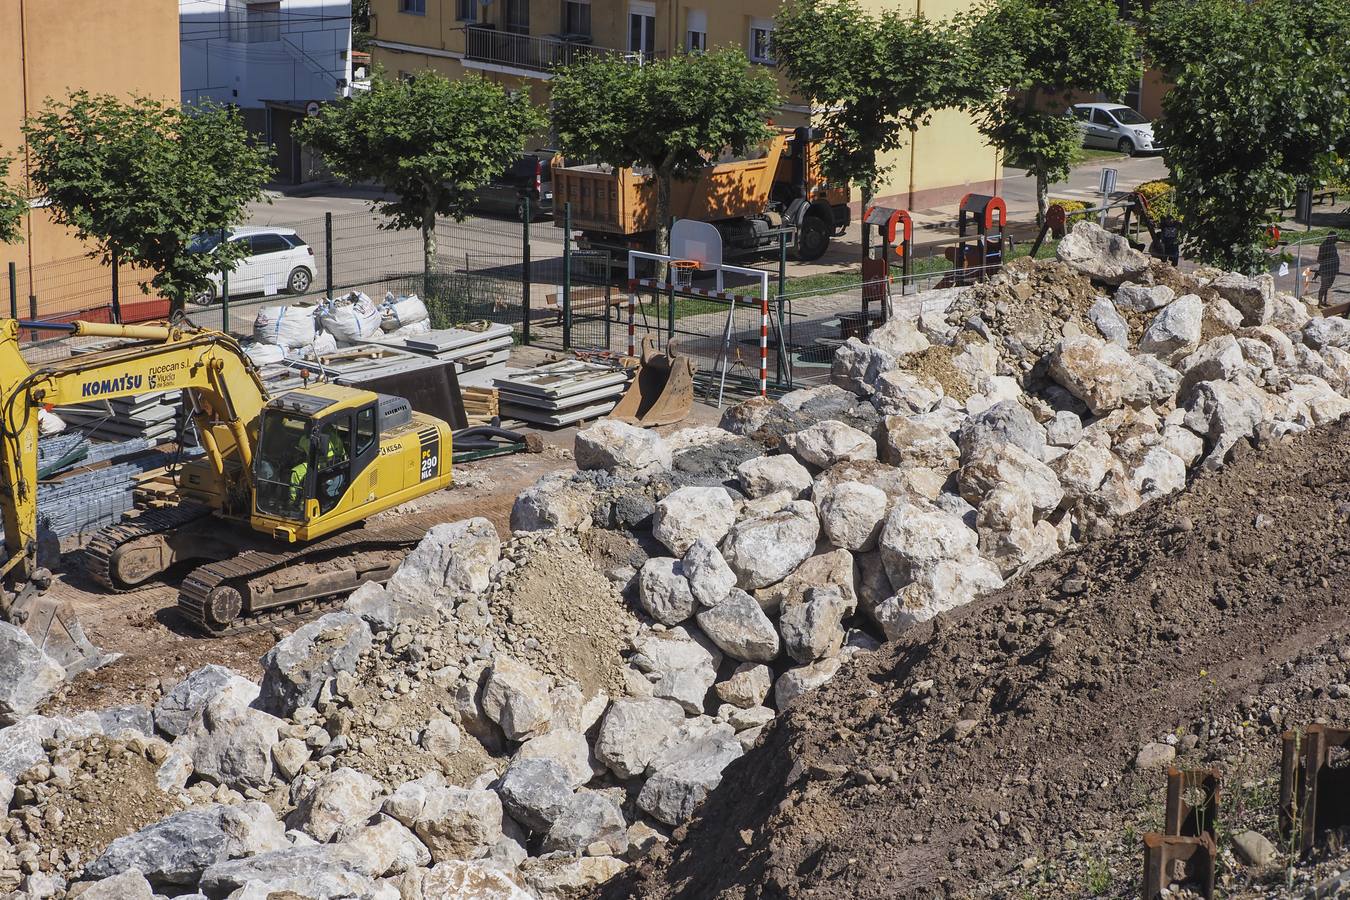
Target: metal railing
[{"x": 525, "y": 51}]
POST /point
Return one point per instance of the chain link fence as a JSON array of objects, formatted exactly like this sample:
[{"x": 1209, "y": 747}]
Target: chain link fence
[
  {"x": 1301, "y": 271},
  {"x": 555, "y": 296}
]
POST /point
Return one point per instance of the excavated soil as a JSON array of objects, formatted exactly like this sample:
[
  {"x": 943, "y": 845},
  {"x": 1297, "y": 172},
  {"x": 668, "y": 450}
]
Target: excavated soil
[
  {"x": 111, "y": 793},
  {"x": 554, "y": 611},
  {"x": 992, "y": 753},
  {"x": 1032, "y": 308},
  {"x": 384, "y": 728},
  {"x": 936, "y": 362},
  {"x": 573, "y": 623}
]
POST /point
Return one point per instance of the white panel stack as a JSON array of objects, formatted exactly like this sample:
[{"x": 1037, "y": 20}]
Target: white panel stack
[
  {"x": 561, "y": 393},
  {"x": 153, "y": 416},
  {"x": 469, "y": 349}
]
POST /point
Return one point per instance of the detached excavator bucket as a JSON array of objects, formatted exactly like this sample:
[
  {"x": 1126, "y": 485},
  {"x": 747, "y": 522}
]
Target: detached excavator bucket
[
  {"x": 53, "y": 627},
  {"x": 662, "y": 391}
]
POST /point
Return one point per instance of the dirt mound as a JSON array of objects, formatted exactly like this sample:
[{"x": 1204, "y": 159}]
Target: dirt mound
[
  {"x": 94, "y": 791},
  {"x": 936, "y": 362},
  {"x": 992, "y": 752},
  {"x": 1028, "y": 308},
  {"x": 552, "y": 609},
  {"x": 570, "y": 620}
]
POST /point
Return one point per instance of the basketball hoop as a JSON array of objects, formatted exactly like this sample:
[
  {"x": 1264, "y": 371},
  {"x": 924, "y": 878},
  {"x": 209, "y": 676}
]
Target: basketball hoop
[{"x": 682, "y": 273}]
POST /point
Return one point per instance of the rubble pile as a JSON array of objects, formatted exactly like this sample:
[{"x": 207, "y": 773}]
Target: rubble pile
[
  {"x": 530, "y": 716},
  {"x": 1019, "y": 746}
]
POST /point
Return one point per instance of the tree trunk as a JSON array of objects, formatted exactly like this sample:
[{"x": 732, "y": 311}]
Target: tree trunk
[
  {"x": 866, "y": 229},
  {"x": 428, "y": 248},
  {"x": 663, "y": 179},
  {"x": 1042, "y": 197}
]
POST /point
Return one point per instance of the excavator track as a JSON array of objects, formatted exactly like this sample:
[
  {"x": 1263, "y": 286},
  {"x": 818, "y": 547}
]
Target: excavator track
[
  {"x": 99, "y": 552},
  {"x": 220, "y": 597}
]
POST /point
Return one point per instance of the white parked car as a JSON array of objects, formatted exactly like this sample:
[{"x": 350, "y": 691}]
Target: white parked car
[
  {"x": 278, "y": 260},
  {"x": 1114, "y": 127}
]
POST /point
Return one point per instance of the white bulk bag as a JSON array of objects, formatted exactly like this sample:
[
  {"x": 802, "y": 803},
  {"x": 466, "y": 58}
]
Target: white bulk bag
[
  {"x": 403, "y": 311},
  {"x": 350, "y": 318},
  {"x": 50, "y": 423},
  {"x": 264, "y": 354},
  {"x": 421, "y": 327},
  {"x": 324, "y": 344},
  {"x": 285, "y": 326}
]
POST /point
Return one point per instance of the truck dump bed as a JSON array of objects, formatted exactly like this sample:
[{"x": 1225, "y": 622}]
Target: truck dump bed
[{"x": 624, "y": 201}]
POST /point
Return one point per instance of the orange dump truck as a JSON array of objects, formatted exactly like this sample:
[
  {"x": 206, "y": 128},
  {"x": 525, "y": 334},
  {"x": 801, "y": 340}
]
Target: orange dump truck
[{"x": 749, "y": 200}]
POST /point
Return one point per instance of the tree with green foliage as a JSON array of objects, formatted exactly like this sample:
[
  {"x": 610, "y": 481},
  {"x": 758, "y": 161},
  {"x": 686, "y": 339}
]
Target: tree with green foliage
[
  {"x": 141, "y": 179},
  {"x": 1260, "y": 105},
  {"x": 875, "y": 77},
  {"x": 1043, "y": 53},
  {"x": 428, "y": 141},
  {"x": 361, "y": 25},
  {"x": 668, "y": 115},
  {"x": 13, "y": 205}
]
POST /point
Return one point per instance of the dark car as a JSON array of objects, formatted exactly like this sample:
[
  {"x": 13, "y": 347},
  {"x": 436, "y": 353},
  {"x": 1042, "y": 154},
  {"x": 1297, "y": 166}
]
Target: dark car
[{"x": 530, "y": 176}]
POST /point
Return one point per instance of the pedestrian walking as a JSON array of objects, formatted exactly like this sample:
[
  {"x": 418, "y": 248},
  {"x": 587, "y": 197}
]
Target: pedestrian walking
[{"x": 1328, "y": 266}]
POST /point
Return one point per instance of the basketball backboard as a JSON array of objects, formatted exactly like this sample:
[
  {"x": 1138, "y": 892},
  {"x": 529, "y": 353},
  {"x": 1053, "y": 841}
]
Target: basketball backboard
[{"x": 699, "y": 241}]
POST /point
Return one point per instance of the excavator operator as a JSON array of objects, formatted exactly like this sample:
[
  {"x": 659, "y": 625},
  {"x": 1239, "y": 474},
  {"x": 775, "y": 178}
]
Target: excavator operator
[{"x": 335, "y": 451}]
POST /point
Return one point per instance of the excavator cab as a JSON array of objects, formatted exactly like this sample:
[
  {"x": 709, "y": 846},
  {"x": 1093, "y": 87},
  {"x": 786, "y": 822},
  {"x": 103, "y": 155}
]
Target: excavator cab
[
  {"x": 329, "y": 456},
  {"x": 302, "y": 459},
  {"x": 283, "y": 464}
]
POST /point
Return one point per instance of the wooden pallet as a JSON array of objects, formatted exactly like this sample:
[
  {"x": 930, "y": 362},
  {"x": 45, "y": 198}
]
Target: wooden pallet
[
  {"x": 480, "y": 405},
  {"x": 155, "y": 488}
]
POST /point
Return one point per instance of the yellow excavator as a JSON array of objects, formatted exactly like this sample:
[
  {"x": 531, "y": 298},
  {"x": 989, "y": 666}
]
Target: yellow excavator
[{"x": 274, "y": 512}]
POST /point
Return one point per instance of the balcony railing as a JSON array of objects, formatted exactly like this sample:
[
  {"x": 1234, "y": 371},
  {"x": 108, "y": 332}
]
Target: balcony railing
[
  {"x": 524, "y": 51},
  {"x": 534, "y": 53}
]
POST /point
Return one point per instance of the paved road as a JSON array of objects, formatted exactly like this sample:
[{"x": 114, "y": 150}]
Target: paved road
[
  {"x": 351, "y": 205},
  {"x": 1019, "y": 191},
  {"x": 485, "y": 240}
]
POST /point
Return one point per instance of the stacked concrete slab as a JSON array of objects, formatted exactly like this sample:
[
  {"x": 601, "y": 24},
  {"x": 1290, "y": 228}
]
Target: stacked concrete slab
[{"x": 561, "y": 393}]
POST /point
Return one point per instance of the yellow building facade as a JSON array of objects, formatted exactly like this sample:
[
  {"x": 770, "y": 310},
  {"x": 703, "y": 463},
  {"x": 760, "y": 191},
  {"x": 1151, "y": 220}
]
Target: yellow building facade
[
  {"x": 50, "y": 50},
  {"x": 516, "y": 42}
]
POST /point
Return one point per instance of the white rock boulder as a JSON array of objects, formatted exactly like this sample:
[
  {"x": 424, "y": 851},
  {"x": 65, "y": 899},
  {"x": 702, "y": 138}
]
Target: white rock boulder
[
  {"x": 740, "y": 629},
  {"x": 615, "y": 446},
  {"x": 765, "y": 549},
  {"x": 826, "y": 443},
  {"x": 689, "y": 513},
  {"x": 851, "y": 514},
  {"x": 762, "y": 476},
  {"x": 454, "y": 556}
]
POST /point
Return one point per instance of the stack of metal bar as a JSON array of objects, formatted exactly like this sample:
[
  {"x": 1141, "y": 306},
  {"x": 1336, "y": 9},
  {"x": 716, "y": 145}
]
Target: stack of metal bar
[
  {"x": 74, "y": 497},
  {"x": 560, "y": 393}
]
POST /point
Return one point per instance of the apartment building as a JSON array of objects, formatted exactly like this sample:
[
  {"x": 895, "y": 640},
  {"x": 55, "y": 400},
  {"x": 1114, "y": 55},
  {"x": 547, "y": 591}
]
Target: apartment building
[
  {"x": 270, "y": 58},
  {"x": 518, "y": 42},
  {"x": 50, "y": 50}
]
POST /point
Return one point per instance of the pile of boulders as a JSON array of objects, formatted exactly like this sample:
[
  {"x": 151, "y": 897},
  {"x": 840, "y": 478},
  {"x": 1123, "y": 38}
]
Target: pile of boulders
[{"x": 421, "y": 743}]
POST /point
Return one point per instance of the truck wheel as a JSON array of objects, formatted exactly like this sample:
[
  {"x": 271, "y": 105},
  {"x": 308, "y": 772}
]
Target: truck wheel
[{"x": 813, "y": 239}]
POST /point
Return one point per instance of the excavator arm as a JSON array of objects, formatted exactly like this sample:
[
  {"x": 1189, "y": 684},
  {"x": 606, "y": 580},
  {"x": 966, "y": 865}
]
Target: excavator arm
[{"x": 226, "y": 397}]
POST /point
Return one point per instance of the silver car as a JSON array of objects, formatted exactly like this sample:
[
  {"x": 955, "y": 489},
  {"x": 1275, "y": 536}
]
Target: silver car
[{"x": 1114, "y": 127}]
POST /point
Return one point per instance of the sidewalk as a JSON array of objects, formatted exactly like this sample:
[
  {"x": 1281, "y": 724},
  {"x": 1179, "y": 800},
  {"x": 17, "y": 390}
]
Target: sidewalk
[{"x": 1018, "y": 191}]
